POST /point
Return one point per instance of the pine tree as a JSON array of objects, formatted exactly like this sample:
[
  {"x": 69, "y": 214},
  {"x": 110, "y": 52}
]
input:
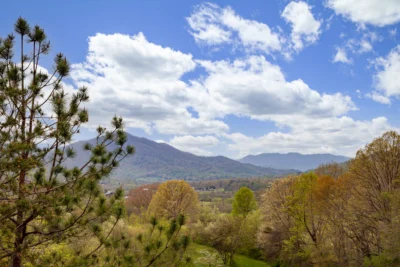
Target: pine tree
[{"x": 43, "y": 202}]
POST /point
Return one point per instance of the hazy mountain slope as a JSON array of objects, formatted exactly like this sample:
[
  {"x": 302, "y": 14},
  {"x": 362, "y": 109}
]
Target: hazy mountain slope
[
  {"x": 154, "y": 160},
  {"x": 292, "y": 160}
]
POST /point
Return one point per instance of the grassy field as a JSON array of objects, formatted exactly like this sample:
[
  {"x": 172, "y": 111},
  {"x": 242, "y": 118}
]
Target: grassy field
[{"x": 203, "y": 256}]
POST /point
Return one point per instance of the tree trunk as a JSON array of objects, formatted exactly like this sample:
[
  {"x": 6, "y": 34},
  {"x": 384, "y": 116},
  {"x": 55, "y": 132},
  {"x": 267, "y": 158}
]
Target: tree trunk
[
  {"x": 17, "y": 256},
  {"x": 16, "y": 260},
  {"x": 20, "y": 227}
]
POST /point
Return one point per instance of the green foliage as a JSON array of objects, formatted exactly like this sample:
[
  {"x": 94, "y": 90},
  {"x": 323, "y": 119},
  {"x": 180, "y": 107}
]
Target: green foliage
[
  {"x": 204, "y": 256},
  {"x": 379, "y": 261},
  {"x": 225, "y": 235},
  {"x": 243, "y": 202},
  {"x": 44, "y": 202},
  {"x": 159, "y": 243},
  {"x": 230, "y": 235}
]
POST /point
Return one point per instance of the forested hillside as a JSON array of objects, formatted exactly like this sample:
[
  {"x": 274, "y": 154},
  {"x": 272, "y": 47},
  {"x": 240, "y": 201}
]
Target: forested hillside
[{"x": 159, "y": 161}]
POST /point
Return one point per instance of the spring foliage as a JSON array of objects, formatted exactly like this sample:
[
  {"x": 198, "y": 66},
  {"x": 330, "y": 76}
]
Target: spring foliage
[
  {"x": 243, "y": 202},
  {"x": 173, "y": 198},
  {"x": 348, "y": 220}
]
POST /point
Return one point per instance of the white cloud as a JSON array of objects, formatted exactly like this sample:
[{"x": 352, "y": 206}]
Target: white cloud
[
  {"x": 140, "y": 81},
  {"x": 255, "y": 88},
  {"x": 305, "y": 28},
  {"x": 206, "y": 27},
  {"x": 194, "y": 144},
  {"x": 387, "y": 78},
  {"x": 373, "y": 12},
  {"x": 213, "y": 25},
  {"x": 252, "y": 34},
  {"x": 361, "y": 43},
  {"x": 365, "y": 46},
  {"x": 376, "y": 96},
  {"x": 341, "y": 56},
  {"x": 364, "y": 43},
  {"x": 342, "y": 136},
  {"x": 191, "y": 126}
]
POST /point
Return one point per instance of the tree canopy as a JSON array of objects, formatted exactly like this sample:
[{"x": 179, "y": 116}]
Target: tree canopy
[
  {"x": 244, "y": 202},
  {"x": 173, "y": 198}
]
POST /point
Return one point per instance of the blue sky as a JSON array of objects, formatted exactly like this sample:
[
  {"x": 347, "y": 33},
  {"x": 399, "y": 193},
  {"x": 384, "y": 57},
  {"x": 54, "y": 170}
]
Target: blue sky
[{"x": 231, "y": 77}]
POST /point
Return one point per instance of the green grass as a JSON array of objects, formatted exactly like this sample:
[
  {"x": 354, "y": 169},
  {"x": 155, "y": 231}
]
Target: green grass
[
  {"x": 243, "y": 261},
  {"x": 203, "y": 256}
]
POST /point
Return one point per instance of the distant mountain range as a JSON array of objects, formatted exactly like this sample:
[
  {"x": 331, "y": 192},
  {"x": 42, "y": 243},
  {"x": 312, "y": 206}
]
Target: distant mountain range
[
  {"x": 156, "y": 161},
  {"x": 292, "y": 160}
]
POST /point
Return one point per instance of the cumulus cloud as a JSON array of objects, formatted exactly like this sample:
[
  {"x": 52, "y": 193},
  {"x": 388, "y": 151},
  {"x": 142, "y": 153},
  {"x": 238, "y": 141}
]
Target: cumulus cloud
[
  {"x": 194, "y": 144},
  {"x": 330, "y": 135},
  {"x": 374, "y": 12},
  {"x": 305, "y": 28},
  {"x": 255, "y": 88},
  {"x": 213, "y": 25},
  {"x": 141, "y": 81},
  {"x": 387, "y": 79}
]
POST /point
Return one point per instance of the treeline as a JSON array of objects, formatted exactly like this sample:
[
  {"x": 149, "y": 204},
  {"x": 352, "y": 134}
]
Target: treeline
[
  {"x": 347, "y": 219},
  {"x": 233, "y": 184}
]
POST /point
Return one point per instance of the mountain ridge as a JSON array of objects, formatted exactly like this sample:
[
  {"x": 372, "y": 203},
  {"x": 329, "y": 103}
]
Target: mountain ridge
[
  {"x": 292, "y": 160},
  {"x": 160, "y": 161}
]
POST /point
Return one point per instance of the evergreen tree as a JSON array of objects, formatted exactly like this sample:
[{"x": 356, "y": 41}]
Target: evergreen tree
[{"x": 43, "y": 202}]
